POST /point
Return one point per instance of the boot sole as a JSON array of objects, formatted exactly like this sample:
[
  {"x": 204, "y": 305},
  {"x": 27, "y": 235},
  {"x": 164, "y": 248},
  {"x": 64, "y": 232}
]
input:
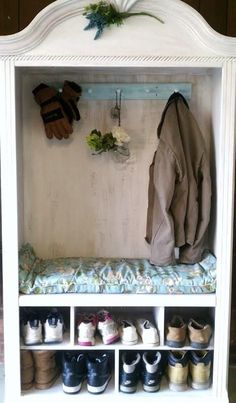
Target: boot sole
[
  {"x": 175, "y": 387},
  {"x": 71, "y": 389},
  {"x": 151, "y": 389},
  {"x": 127, "y": 389},
  {"x": 200, "y": 386},
  {"x": 96, "y": 390},
  {"x": 175, "y": 344}
]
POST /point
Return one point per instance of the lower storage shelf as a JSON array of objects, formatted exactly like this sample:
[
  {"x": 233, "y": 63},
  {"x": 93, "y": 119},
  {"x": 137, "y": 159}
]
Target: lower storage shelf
[{"x": 164, "y": 393}]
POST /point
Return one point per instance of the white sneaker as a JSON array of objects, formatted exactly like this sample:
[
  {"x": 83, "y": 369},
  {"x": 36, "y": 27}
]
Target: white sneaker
[
  {"x": 107, "y": 328},
  {"x": 86, "y": 330},
  {"x": 147, "y": 331},
  {"x": 128, "y": 332},
  {"x": 32, "y": 332},
  {"x": 53, "y": 328}
]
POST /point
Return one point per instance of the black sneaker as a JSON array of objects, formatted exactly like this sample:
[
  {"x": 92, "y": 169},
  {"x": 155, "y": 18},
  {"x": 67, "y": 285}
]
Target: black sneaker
[
  {"x": 73, "y": 372},
  {"x": 98, "y": 373},
  {"x": 151, "y": 371},
  {"x": 130, "y": 372}
]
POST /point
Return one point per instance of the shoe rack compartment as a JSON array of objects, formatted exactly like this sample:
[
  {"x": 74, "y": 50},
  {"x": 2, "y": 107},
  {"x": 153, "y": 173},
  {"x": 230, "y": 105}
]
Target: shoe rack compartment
[
  {"x": 57, "y": 389},
  {"x": 41, "y": 313},
  {"x": 199, "y": 314},
  {"x": 154, "y": 315}
]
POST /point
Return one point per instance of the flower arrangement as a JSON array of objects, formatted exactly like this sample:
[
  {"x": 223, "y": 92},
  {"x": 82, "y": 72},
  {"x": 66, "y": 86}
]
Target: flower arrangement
[
  {"x": 103, "y": 14},
  {"x": 117, "y": 140}
]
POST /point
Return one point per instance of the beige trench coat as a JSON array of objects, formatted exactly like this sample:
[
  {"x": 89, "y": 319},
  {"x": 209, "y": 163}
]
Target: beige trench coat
[{"x": 179, "y": 188}]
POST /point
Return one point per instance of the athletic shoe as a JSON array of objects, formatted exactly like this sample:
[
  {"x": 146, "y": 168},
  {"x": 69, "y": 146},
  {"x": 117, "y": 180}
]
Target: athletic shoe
[
  {"x": 177, "y": 370},
  {"x": 107, "y": 327},
  {"x": 130, "y": 372},
  {"x": 128, "y": 333},
  {"x": 98, "y": 373},
  {"x": 199, "y": 334},
  {"x": 147, "y": 331},
  {"x": 176, "y": 332},
  {"x": 53, "y": 328},
  {"x": 86, "y": 330},
  {"x": 151, "y": 372},
  {"x": 73, "y": 372},
  {"x": 200, "y": 369},
  {"x": 32, "y": 331}
]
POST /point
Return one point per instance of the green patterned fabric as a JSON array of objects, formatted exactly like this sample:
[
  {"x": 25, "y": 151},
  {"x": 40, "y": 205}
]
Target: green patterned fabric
[{"x": 112, "y": 275}]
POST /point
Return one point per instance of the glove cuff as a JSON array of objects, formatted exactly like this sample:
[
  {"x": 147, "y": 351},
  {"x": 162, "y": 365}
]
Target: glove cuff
[{"x": 71, "y": 90}]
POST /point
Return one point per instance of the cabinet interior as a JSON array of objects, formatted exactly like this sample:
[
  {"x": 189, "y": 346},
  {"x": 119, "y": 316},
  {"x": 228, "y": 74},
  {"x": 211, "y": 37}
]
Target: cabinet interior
[{"x": 73, "y": 203}]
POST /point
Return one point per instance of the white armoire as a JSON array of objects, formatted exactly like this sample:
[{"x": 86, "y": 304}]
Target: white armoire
[{"x": 67, "y": 202}]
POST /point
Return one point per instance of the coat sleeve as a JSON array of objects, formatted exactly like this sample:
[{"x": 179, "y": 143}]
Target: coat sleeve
[
  {"x": 164, "y": 177},
  {"x": 193, "y": 253}
]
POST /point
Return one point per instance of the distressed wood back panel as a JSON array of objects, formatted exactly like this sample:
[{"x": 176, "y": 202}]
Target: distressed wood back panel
[{"x": 76, "y": 203}]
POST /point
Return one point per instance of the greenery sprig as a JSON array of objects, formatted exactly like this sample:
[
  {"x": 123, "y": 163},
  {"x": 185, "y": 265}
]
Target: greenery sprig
[
  {"x": 103, "y": 14},
  {"x": 100, "y": 143},
  {"x": 115, "y": 140}
]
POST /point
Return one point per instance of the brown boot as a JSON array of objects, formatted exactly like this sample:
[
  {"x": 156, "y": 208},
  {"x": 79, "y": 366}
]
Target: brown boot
[
  {"x": 46, "y": 371},
  {"x": 176, "y": 332},
  {"x": 27, "y": 369},
  {"x": 199, "y": 334}
]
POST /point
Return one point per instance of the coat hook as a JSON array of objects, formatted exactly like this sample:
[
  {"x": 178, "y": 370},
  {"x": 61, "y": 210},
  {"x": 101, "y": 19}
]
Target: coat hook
[{"x": 116, "y": 110}]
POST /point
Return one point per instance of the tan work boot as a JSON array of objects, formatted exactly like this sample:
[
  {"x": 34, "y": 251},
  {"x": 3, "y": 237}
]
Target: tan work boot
[
  {"x": 200, "y": 369},
  {"x": 26, "y": 369},
  {"x": 46, "y": 371},
  {"x": 199, "y": 334},
  {"x": 177, "y": 370},
  {"x": 176, "y": 332}
]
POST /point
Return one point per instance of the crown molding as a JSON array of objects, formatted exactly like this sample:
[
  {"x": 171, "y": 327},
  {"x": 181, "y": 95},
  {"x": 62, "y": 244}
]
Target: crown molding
[{"x": 61, "y": 10}]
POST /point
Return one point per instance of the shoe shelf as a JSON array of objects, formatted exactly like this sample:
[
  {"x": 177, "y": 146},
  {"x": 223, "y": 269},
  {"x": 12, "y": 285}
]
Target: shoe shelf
[
  {"x": 159, "y": 316},
  {"x": 65, "y": 345},
  {"x": 112, "y": 392},
  {"x": 129, "y": 300}
]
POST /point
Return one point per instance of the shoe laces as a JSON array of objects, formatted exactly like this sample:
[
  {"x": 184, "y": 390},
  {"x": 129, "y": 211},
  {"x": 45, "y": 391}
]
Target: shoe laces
[
  {"x": 90, "y": 318},
  {"x": 104, "y": 316}
]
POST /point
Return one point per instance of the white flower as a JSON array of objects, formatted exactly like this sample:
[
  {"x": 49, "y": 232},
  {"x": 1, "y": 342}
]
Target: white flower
[
  {"x": 120, "y": 135},
  {"x": 124, "y": 5}
]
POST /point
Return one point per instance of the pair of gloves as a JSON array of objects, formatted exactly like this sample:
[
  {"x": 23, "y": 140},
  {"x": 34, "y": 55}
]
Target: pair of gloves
[{"x": 58, "y": 110}]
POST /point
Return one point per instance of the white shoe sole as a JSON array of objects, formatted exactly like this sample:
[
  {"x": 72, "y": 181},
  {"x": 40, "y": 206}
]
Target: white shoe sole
[
  {"x": 71, "y": 389},
  {"x": 98, "y": 389},
  {"x": 129, "y": 342},
  {"x": 176, "y": 387},
  {"x": 200, "y": 386},
  {"x": 127, "y": 389}
]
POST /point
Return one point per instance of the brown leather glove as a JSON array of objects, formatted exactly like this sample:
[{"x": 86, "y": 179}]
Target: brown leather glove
[
  {"x": 55, "y": 119},
  {"x": 71, "y": 93}
]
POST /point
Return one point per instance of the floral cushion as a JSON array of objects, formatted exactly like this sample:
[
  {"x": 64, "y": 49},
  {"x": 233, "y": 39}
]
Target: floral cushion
[{"x": 112, "y": 275}]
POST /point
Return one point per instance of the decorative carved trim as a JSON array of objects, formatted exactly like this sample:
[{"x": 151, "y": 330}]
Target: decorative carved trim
[
  {"x": 117, "y": 60},
  {"x": 61, "y": 10}
]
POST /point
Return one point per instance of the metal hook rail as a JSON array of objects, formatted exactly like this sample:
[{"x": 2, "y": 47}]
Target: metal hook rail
[{"x": 138, "y": 91}]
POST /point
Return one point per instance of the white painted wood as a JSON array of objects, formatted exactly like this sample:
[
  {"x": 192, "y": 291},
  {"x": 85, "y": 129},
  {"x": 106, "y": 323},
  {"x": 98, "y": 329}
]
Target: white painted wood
[
  {"x": 183, "y": 27},
  {"x": 185, "y": 47},
  {"x": 10, "y": 230},
  {"x": 116, "y": 300},
  {"x": 72, "y": 325}
]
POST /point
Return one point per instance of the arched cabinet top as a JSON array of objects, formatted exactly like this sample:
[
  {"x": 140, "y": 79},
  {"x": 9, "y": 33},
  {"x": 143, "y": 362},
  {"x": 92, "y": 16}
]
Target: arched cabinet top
[{"x": 58, "y": 30}]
